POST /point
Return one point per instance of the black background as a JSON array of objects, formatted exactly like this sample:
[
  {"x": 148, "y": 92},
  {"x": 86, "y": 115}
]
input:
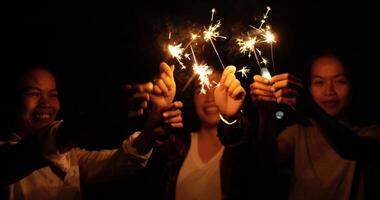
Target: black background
[{"x": 96, "y": 46}]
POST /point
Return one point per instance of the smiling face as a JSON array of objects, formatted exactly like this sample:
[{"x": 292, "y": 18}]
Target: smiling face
[
  {"x": 205, "y": 106},
  {"x": 39, "y": 99},
  {"x": 330, "y": 87}
]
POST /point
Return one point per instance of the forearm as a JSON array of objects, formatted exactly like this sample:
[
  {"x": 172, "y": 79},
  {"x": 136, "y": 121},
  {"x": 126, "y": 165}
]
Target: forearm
[
  {"x": 105, "y": 165},
  {"x": 235, "y": 134},
  {"x": 266, "y": 140}
]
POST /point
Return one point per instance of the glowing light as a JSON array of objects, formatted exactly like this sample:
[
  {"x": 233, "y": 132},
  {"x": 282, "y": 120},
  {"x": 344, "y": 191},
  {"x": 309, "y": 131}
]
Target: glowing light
[
  {"x": 176, "y": 51},
  {"x": 244, "y": 71},
  {"x": 265, "y": 73},
  {"x": 211, "y": 34}
]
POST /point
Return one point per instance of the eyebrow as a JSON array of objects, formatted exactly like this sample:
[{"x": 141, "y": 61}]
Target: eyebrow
[
  {"x": 335, "y": 76},
  {"x": 35, "y": 88}
]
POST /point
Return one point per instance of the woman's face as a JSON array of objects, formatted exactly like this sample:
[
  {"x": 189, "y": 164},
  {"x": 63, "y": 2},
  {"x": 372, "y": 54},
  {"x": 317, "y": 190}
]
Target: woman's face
[
  {"x": 205, "y": 106},
  {"x": 39, "y": 103},
  {"x": 330, "y": 87}
]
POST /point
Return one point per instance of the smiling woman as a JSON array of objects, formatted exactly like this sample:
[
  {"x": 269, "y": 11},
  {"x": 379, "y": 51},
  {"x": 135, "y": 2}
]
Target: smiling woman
[{"x": 40, "y": 103}]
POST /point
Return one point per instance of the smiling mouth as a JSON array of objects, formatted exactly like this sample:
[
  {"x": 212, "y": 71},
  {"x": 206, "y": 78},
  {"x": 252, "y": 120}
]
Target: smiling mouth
[
  {"x": 330, "y": 104},
  {"x": 211, "y": 109},
  {"x": 43, "y": 116}
]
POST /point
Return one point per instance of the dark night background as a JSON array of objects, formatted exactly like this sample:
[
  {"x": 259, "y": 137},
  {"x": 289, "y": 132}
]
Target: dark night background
[{"x": 96, "y": 46}]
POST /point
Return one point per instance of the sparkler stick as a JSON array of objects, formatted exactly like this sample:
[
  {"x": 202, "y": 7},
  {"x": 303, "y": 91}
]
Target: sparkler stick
[
  {"x": 211, "y": 34},
  {"x": 192, "y": 77}
]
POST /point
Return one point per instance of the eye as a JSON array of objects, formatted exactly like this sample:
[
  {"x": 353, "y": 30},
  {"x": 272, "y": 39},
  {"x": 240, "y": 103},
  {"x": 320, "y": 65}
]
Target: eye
[
  {"x": 32, "y": 93},
  {"x": 318, "y": 81},
  {"x": 53, "y": 94},
  {"x": 341, "y": 81}
]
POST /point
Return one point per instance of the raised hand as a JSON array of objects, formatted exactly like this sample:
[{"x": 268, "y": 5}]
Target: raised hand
[
  {"x": 229, "y": 95},
  {"x": 282, "y": 88},
  {"x": 286, "y": 88},
  {"x": 164, "y": 87}
]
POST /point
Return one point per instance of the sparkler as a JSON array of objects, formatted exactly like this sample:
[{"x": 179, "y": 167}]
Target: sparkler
[
  {"x": 203, "y": 71},
  {"x": 249, "y": 44},
  {"x": 211, "y": 34},
  {"x": 176, "y": 51},
  {"x": 244, "y": 71}
]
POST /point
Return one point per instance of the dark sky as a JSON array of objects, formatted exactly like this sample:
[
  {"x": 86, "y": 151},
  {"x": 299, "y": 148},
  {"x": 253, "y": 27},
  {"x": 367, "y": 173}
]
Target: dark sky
[{"x": 97, "y": 45}]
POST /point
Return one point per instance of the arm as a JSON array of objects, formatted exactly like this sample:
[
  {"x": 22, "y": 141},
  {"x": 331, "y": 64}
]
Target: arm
[
  {"x": 162, "y": 119},
  {"x": 229, "y": 98},
  {"x": 280, "y": 89}
]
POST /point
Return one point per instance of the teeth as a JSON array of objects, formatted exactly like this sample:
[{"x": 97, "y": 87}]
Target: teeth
[{"x": 43, "y": 116}]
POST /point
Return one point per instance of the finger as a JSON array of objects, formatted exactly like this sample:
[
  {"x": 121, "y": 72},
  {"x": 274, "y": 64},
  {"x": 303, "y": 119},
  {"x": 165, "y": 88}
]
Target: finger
[
  {"x": 259, "y": 92},
  {"x": 160, "y": 83},
  {"x": 177, "y": 119},
  {"x": 235, "y": 83},
  {"x": 167, "y": 81},
  {"x": 229, "y": 69},
  {"x": 286, "y": 84},
  {"x": 167, "y": 69},
  {"x": 285, "y": 76},
  {"x": 139, "y": 97},
  {"x": 261, "y": 86},
  {"x": 260, "y": 79},
  {"x": 178, "y": 104},
  {"x": 238, "y": 93},
  {"x": 139, "y": 112},
  {"x": 177, "y": 125},
  {"x": 157, "y": 90},
  {"x": 286, "y": 92},
  {"x": 173, "y": 113},
  {"x": 139, "y": 87},
  {"x": 230, "y": 77},
  {"x": 289, "y": 101},
  {"x": 264, "y": 98}
]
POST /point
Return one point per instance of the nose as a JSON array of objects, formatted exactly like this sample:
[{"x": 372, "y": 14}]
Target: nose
[
  {"x": 44, "y": 101},
  {"x": 210, "y": 94},
  {"x": 329, "y": 89}
]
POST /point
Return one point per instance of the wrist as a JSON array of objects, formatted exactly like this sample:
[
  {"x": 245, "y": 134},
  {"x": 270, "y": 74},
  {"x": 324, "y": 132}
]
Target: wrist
[{"x": 229, "y": 120}]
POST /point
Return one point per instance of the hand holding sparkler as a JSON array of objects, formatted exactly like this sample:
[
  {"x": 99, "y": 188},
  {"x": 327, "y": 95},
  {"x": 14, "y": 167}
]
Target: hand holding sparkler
[
  {"x": 229, "y": 94},
  {"x": 285, "y": 88},
  {"x": 164, "y": 87},
  {"x": 282, "y": 88}
]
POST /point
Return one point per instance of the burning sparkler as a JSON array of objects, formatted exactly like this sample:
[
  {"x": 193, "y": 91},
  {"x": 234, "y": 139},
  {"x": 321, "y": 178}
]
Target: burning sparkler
[
  {"x": 248, "y": 45},
  {"x": 211, "y": 34},
  {"x": 244, "y": 71}
]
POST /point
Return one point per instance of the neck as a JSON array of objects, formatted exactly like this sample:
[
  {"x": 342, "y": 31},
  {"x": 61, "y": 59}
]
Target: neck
[{"x": 209, "y": 134}]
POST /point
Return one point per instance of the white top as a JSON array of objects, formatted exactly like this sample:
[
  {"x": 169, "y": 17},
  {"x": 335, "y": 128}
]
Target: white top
[
  {"x": 198, "y": 180},
  {"x": 78, "y": 166}
]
